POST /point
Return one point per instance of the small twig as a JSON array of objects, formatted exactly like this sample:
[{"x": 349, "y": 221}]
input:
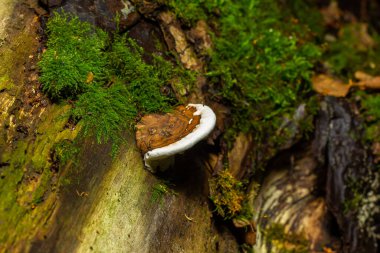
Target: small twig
[
  {"x": 189, "y": 219},
  {"x": 82, "y": 194}
]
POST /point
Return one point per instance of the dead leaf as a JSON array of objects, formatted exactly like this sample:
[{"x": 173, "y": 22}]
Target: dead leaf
[
  {"x": 373, "y": 83},
  {"x": 362, "y": 76},
  {"x": 367, "y": 81},
  {"x": 327, "y": 85}
]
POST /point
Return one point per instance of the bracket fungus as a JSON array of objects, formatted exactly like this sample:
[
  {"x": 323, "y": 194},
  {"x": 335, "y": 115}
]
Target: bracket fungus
[{"x": 161, "y": 136}]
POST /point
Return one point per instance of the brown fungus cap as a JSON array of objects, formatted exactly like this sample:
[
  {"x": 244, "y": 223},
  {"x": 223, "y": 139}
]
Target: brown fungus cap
[
  {"x": 160, "y": 130},
  {"x": 161, "y": 136}
]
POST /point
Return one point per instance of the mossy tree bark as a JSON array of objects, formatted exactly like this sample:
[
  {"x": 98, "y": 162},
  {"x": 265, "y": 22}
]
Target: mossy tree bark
[{"x": 100, "y": 203}]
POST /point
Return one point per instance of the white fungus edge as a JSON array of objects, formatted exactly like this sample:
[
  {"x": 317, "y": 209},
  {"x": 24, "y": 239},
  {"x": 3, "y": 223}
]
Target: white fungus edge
[{"x": 201, "y": 131}]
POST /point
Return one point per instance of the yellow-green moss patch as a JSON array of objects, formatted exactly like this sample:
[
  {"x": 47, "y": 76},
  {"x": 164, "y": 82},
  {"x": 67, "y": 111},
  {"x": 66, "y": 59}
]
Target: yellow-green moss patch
[{"x": 26, "y": 177}]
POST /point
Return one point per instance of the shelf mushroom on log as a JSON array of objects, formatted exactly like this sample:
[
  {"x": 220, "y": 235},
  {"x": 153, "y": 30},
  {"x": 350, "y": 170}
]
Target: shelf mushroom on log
[{"x": 161, "y": 136}]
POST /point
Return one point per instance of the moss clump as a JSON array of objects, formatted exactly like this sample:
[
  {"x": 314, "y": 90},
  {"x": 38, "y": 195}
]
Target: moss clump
[
  {"x": 74, "y": 51},
  {"x": 262, "y": 68},
  {"x": 372, "y": 106},
  {"x": 5, "y": 83},
  {"x": 227, "y": 194},
  {"x": 192, "y": 10},
  {"x": 27, "y": 179},
  {"x": 262, "y": 60},
  {"x": 107, "y": 79},
  {"x": 357, "y": 189},
  {"x": 49, "y": 132},
  {"x": 284, "y": 242},
  {"x": 105, "y": 112},
  {"x": 144, "y": 81},
  {"x": 64, "y": 151},
  {"x": 306, "y": 15},
  {"x": 13, "y": 55}
]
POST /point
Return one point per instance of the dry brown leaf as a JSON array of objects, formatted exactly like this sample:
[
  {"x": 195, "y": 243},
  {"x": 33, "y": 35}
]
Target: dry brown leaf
[
  {"x": 327, "y": 85},
  {"x": 367, "y": 81},
  {"x": 374, "y": 83},
  {"x": 362, "y": 76}
]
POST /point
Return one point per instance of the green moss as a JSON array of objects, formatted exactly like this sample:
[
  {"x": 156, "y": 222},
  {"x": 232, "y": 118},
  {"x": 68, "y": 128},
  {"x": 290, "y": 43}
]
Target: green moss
[
  {"x": 189, "y": 11},
  {"x": 307, "y": 16},
  {"x": 227, "y": 194},
  {"x": 109, "y": 79},
  {"x": 11, "y": 175},
  {"x": 143, "y": 80},
  {"x": 5, "y": 83},
  {"x": 371, "y": 111},
  {"x": 22, "y": 194},
  {"x": 50, "y": 131},
  {"x": 13, "y": 55},
  {"x": 267, "y": 74},
  {"x": 372, "y": 132},
  {"x": 64, "y": 151},
  {"x": 105, "y": 113},
  {"x": 262, "y": 59},
  {"x": 43, "y": 186},
  {"x": 372, "y": 106},
  {"x": 74, "y": 52},
  {"x": 180, "y": 79},
  {"x": 349, "y": 53}
]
